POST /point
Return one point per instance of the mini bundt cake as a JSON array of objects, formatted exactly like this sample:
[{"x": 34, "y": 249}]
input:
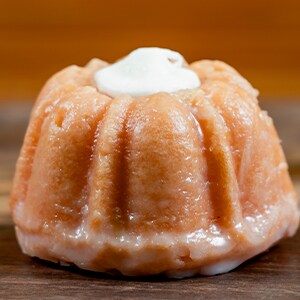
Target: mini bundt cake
[{"x": 180, "y": 182}]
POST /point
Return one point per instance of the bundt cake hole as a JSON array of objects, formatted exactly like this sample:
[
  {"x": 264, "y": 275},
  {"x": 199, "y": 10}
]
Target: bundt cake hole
[
  {"x": 185, "y": 256},
  {"x": 185, "y": 259},
  {"x": 60, "y": 119}
]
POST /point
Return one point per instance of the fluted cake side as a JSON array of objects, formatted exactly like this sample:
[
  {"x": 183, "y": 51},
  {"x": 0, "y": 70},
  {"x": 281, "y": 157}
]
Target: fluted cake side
[{"x": 181, "y": 183}]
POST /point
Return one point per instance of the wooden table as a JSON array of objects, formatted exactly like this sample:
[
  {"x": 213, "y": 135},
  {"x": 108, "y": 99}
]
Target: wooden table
[{"x": 275, "y": 274}]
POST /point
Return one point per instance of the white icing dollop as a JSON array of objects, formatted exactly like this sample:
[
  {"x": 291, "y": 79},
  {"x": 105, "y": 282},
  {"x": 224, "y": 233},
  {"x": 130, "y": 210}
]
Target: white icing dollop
[{"x": 146, "y": 71}]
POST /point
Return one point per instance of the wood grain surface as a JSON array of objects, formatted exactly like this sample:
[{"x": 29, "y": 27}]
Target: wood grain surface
[{"x": 272, "y": 275}]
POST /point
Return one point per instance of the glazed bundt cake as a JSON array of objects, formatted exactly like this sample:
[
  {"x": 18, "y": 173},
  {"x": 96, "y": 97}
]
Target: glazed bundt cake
[{"x": 183, "y": 179}]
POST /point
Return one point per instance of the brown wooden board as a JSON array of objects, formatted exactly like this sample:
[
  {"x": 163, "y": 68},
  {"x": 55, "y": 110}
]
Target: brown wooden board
[{"x": 272, "y": 275}]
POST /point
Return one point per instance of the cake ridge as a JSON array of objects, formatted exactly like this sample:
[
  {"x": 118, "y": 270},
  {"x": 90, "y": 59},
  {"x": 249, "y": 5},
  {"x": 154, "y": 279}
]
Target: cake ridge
[
  {"x": 138, "y": 184},
  {"x": 220, "y": 163}
]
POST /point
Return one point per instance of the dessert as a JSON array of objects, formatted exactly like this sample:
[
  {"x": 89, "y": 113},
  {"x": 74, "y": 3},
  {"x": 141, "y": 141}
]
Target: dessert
[{"x": 149, "y": 166}]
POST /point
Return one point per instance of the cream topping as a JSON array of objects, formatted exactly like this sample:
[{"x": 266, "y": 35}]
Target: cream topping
[{"x": 146, "y": 71}]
